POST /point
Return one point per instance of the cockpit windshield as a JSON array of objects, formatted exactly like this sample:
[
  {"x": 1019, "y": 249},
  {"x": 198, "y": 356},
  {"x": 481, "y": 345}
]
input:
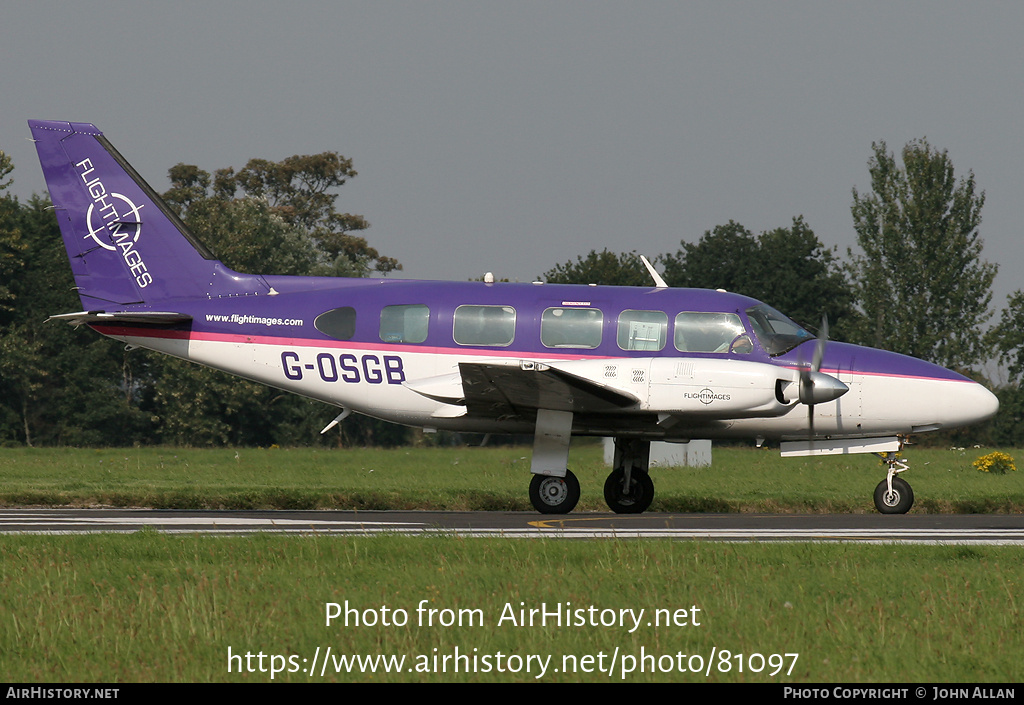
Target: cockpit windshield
[{"x": 776, "y": 332}]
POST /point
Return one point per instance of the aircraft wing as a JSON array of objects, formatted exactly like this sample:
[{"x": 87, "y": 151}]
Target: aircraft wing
[
  {"x": 503, "y": 390},
  {"x": 164, "y": 318}
]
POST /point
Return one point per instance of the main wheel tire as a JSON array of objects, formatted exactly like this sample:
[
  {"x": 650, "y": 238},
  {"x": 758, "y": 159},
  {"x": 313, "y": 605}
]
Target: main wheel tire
[
  {"x": 899, "y": 501},
  {"x": 639, "y": 498},
  {"x": 554, "y": 495}
]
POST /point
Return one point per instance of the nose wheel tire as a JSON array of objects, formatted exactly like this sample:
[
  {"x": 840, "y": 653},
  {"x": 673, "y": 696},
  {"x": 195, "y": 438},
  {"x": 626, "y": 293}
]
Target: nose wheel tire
[
  {"x": 898, "y": 501},
  {"x": 639, "y": 497},
  {"x": 554, "y": 495}
]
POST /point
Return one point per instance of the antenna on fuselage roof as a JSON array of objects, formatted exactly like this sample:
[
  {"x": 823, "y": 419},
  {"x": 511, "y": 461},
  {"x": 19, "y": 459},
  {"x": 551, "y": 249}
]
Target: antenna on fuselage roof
[{"x": 658, "y": 281}]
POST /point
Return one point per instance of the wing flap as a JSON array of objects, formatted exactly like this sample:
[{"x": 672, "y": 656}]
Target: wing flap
[{"x": 505, "y": 390}]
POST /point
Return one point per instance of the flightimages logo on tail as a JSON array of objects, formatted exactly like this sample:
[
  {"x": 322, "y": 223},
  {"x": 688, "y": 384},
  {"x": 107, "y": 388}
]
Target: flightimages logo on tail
[{"x": 119, "y": 217}]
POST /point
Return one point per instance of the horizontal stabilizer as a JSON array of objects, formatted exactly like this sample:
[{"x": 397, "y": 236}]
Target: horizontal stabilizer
[{"x": 159, "y": 318}]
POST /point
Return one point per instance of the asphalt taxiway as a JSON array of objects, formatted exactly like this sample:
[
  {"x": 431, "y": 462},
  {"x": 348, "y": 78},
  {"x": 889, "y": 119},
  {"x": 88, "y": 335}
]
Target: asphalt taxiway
[{"x": 995, "y": 529}]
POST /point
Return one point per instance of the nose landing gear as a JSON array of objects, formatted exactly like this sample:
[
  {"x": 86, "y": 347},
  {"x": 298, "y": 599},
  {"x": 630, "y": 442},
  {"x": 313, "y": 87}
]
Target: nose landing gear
[{"x": 893, "y": 494}]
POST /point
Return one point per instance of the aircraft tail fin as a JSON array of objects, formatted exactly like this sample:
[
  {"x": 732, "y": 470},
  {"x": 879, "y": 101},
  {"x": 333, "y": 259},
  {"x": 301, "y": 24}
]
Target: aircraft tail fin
[{"x": 125, "y": 244}]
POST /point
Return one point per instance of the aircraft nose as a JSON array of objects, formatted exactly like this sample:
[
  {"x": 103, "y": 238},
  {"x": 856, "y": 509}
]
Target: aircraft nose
[
  {"x": 957, "y": 404},
  {"x": 920, "y": 396},
  {"x": 945, "y": 399},
  {"x": 977, "y": 404}
]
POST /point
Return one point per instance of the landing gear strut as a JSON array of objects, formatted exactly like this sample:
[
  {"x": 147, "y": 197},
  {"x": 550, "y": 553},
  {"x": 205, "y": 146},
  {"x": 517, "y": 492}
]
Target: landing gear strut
[
  {"x": 893, "y": 494},
  {"x": 629, "y": 488},
  {"x": 553, "y": 489}
]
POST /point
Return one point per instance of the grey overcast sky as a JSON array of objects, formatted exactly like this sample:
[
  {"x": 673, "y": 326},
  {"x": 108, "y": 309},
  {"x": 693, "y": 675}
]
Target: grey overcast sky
[{"x": 512, "y": 136}]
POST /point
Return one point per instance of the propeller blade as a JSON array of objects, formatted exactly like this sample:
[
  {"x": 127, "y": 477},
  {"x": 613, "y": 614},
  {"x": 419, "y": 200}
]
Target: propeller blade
[
  {"x": 816, "y": 386},
  {"x": 819, "y": 347}
]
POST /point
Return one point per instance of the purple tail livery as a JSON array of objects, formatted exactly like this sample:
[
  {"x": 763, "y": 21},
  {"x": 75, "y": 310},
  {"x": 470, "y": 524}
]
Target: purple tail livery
[
  {"x": 637, "y": 364},
  {"x": 126, "y": 247}
]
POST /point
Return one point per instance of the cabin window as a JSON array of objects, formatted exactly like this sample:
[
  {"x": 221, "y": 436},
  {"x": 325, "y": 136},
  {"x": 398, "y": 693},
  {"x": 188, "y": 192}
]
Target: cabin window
[
  {"x": 711, "y": 333},
  {"x": 642, "y": 330},
  {"x": 339, "y": 323},
  {"x": 571, "y": 327},
  {"x": 485, "y": 325},
  {"x": 404, "y": 324}
]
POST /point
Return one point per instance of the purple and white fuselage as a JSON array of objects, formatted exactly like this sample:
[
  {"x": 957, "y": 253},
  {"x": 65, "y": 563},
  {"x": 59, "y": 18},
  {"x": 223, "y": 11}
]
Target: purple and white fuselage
[{"x": 637, "y": 364}]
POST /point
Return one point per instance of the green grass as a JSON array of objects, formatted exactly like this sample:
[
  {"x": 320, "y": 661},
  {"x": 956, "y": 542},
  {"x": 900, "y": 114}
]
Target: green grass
[
  {"x": 739, "y": 480},
  {"x": 150, "y": 607}
]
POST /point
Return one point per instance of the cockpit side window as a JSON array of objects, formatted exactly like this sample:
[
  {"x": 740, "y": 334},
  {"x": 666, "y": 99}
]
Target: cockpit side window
[
  {"x": 642, "y": 330},
  {"x": 776, "y": 332},
  {"x": 571, "y": 327},
  {"x": 406, "y": 323},
  {"x": 711, "y": 332}
]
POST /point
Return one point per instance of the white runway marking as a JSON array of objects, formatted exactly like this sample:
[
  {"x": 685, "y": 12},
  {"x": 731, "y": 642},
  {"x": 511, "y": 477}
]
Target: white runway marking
[
  {"x": 64, "y": 521},
  {"x": 191, "y": 521}
]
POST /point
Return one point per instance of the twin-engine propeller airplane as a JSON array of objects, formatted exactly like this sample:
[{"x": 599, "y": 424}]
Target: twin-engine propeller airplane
[{"x": 636, "y": 364}]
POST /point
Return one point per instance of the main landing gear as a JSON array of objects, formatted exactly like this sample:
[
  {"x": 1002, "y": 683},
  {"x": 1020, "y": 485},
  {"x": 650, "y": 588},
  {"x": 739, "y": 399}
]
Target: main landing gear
[
  {"x": 628, "y": 490},
  {"x": 555, "y": 490},
  {"x": 893, "y": 494}
]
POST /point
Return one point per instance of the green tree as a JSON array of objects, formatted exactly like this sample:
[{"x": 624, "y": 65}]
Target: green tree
[
  {"x": 602, "y": 267},
  {"x": 1007, "y": 337},
  {"x": 21, "y": 362},
  {"x": 921, "y": 285},
  {"x": 787, "y": 268},
  {"x": 12, "y": 247},
  {"x": 58, "y": 385},
  {"x": 726, "y": 257},
  {"x": 291, "y": 206}
]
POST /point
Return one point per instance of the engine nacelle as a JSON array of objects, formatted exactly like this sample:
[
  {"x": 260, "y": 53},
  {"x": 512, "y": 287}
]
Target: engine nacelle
[
  {"x": 718, "y": 388},
  {"x": 705, "y": 387}
]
